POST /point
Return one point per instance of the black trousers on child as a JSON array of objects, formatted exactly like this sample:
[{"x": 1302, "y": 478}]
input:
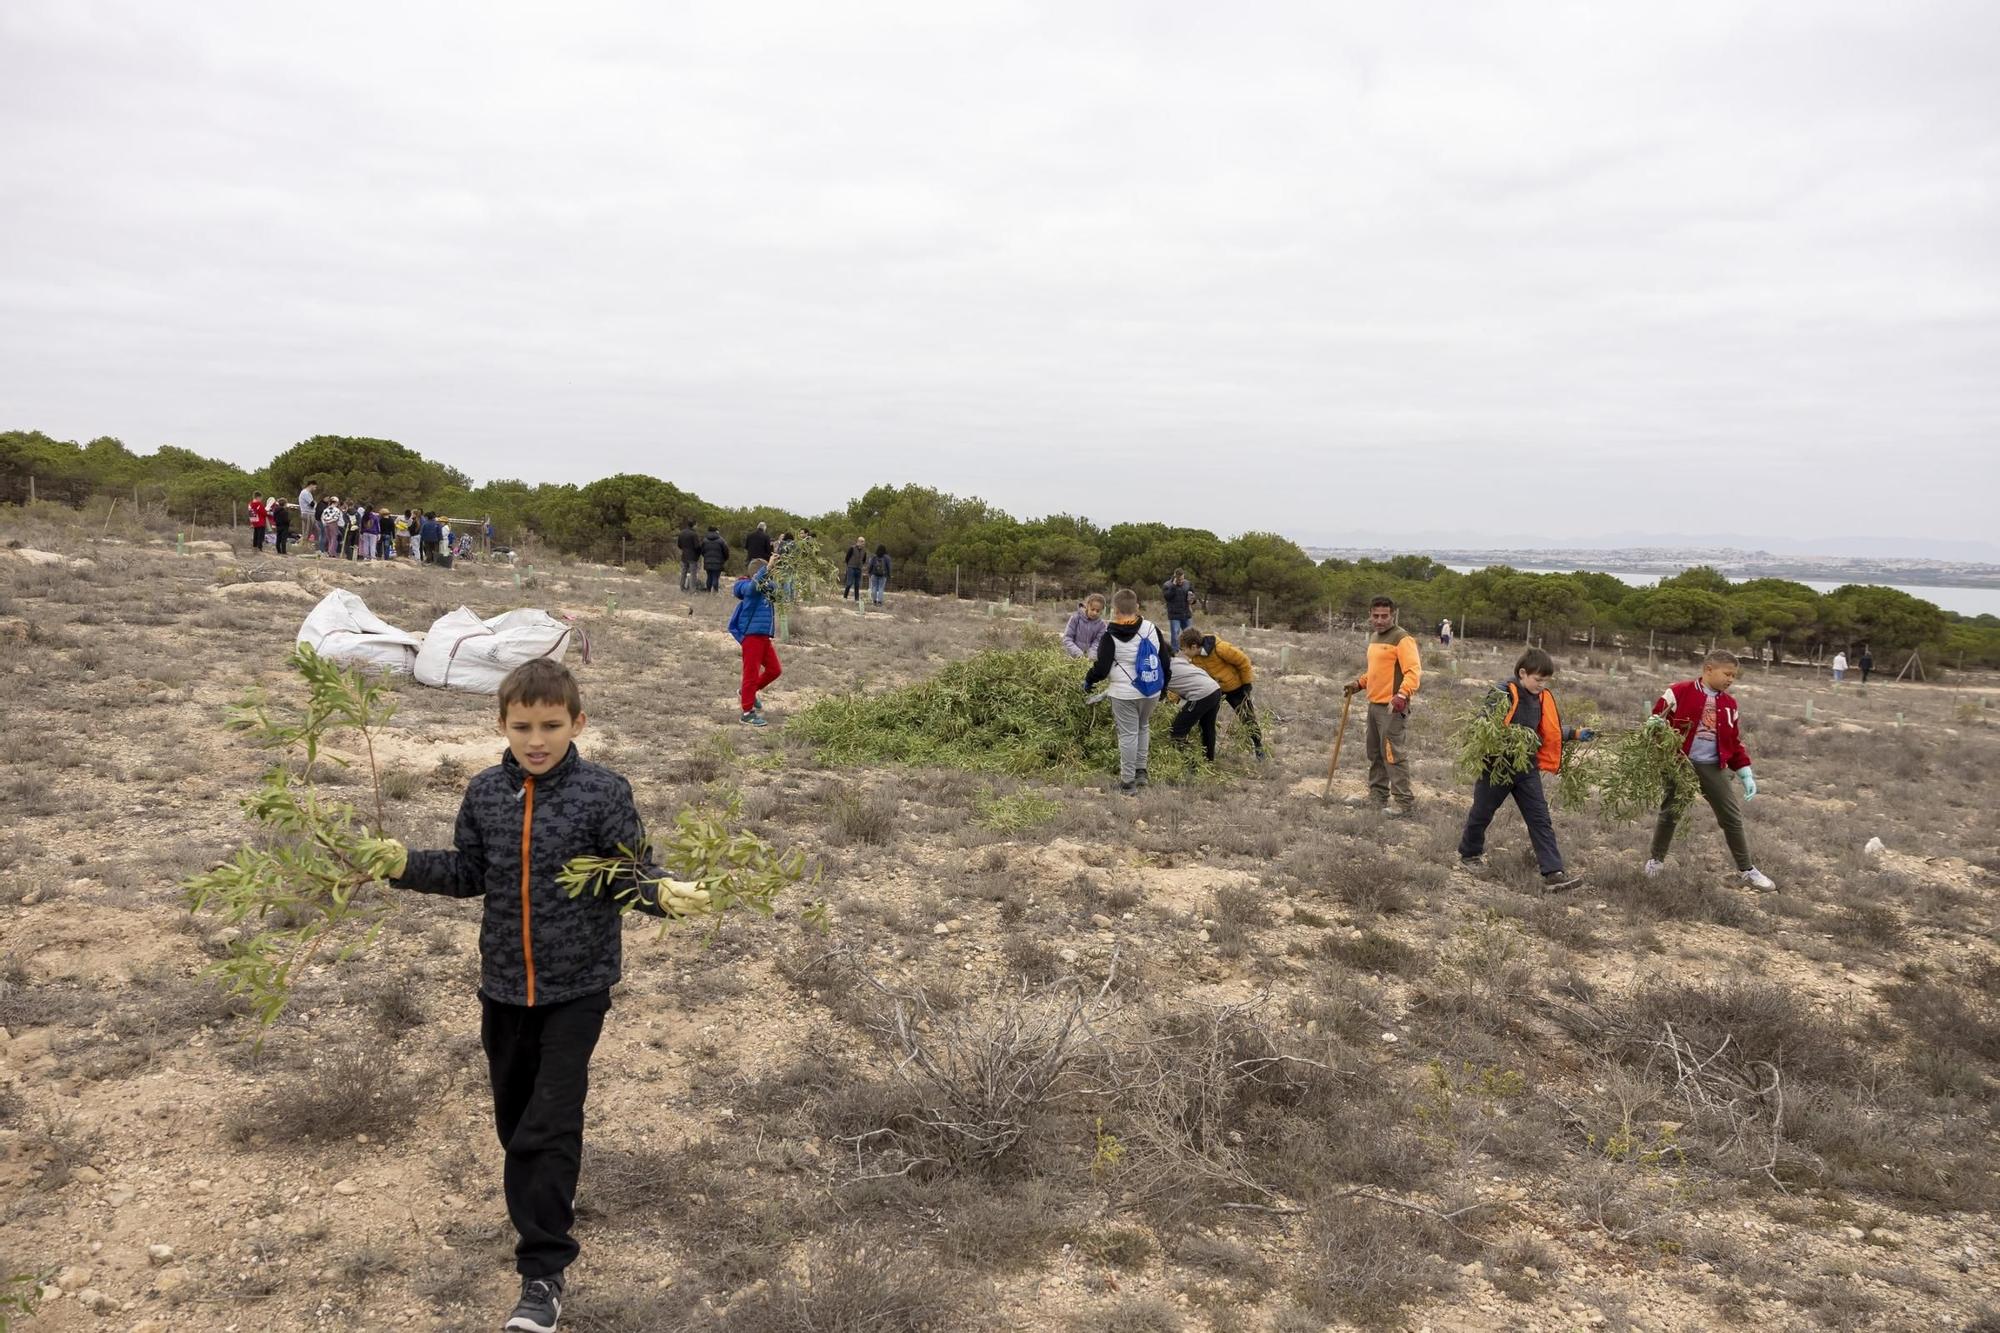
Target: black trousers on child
[
  {"x": 1487, "y": 798},
  {"x": 1239, "y": 699},
  {"x": 539, "y": 1061},
  {"x": 1198, "y": 713}
]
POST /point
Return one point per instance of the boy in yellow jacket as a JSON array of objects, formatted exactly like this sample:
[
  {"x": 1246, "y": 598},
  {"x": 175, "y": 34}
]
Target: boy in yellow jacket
[
  {"x": 1391, "y": 678},
  {"x": 1231, "y": 668}
]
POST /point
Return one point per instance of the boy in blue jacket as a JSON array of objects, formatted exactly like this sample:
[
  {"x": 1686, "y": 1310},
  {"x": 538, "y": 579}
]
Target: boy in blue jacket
[
  {"x": 548, "y": 961},
  {"x": 752, "y": 625}
]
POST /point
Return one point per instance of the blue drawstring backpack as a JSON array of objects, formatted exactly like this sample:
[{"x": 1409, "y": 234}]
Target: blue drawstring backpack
[{"x": 1147, "y": 676}]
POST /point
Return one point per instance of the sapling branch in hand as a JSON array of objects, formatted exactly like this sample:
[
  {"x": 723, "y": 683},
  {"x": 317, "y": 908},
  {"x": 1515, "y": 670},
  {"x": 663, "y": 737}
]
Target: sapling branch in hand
[
  {"x": 314, "y": 881},
  {"x": 710, "y": 870}
]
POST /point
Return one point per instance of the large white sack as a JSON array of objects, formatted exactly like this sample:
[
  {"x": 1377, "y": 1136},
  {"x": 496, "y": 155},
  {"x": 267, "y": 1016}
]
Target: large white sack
[
  {"x": 342, "y": 627},
  {"x": 463, "y": 652}
]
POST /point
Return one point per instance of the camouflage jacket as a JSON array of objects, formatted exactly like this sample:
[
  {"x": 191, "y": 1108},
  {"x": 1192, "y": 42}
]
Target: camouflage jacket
[{"x": 538, "y": 945}]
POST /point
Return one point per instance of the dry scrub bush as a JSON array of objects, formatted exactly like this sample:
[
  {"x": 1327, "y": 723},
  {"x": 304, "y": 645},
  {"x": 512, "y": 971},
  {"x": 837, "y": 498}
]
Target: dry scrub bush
[
  {"x": 58, "y": 1144},
  {"x": 1754, "y": 1083},
  {"x": 351, "y": 1090},
  {"x": 1213, "y": 1115},
  {"x": 1366, "y": 1261},
  {"x": 862, "y": 818},
  {"x": 1371, "y": 951},
  {"x": 1130, "y": 1314},
  {"x": 846, "y": 1286},
  {"x": 979, "y": 1080}
]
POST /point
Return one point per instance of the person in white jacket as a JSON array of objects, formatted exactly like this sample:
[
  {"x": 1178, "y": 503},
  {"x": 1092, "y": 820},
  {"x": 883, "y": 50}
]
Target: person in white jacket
[
  {"x": 1839, "y": 667},
  {"x": 1133, "y": 654}
]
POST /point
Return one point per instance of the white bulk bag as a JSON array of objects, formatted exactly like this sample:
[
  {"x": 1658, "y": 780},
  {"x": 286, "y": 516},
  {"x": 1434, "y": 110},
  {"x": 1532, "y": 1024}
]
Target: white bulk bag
[
  {"x": 342, "y": 628},
  {"x": 463, "y": 652}
]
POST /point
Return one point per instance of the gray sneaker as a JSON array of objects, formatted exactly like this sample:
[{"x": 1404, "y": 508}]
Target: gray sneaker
[
  {"x": 539, "y": 1308},
  {"x": 1757, "y": 879},
  {"x": 1472, "y": 865},
  {"x": 754, "y": 720},
  {"x": 1561, "y": 881}
]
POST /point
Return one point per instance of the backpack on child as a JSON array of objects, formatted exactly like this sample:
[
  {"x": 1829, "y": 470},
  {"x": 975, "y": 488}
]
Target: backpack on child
[{"x": 1148, "y": 677}]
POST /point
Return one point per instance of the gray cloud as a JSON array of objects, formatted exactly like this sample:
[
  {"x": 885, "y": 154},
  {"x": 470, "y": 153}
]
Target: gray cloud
[{"x": 1582, "y": 268}]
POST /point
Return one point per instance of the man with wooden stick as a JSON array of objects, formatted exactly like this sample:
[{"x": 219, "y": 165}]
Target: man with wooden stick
[{"x": 1391, "y": 677}]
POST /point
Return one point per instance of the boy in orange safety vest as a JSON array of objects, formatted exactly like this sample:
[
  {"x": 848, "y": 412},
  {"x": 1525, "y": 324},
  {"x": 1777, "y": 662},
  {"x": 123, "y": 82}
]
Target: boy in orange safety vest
[{"x": 1530, "y": 704}]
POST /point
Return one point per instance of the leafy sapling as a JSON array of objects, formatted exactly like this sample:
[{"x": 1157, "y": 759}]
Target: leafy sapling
[{"x": 312, "y": 885}]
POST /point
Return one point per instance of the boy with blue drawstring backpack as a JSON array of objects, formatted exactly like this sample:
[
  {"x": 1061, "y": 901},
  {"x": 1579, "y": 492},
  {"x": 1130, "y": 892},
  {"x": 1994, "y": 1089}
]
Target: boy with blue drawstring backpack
[
  {"x": 1133, "y": 654},
  {"x": 752, "y": 626}
]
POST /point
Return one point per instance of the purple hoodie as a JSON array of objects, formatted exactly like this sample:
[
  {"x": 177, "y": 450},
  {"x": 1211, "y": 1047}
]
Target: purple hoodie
[{"x": 1080, "y": 635}]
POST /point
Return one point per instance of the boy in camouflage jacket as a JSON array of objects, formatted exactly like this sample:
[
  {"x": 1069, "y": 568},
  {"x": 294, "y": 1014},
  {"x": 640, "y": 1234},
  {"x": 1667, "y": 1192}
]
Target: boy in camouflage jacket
[{"x": 547, "y": 960}]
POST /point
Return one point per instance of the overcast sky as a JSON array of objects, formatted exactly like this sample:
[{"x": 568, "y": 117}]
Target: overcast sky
[{"x": 1465, "y": 269}]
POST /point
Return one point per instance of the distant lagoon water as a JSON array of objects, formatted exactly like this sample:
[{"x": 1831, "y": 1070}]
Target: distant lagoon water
[{"x": 1965, "y": 601}]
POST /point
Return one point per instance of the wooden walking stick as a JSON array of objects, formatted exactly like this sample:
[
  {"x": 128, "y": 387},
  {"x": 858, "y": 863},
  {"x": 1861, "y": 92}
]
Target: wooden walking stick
[{"x": 1338, "y": 737}]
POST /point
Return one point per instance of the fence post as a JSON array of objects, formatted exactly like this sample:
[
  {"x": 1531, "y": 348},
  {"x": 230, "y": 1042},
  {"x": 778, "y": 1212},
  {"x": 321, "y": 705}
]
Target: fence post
[
  {"x": 1531, "y": 630},
  {"x": 954, "y": 581},
  {"x": 1257, "y": 611}
]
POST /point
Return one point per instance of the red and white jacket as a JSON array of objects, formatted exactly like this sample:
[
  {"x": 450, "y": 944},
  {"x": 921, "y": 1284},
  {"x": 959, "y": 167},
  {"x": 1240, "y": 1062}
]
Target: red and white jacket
[{"x": 1681, "y": 704}]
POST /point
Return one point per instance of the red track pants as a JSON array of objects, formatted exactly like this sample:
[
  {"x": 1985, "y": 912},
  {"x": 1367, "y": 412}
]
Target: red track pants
[{"x": 760, "y": 666}]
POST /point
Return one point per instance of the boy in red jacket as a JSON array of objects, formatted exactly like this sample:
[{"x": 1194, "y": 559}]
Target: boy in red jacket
[{"x": 1704, "y": 714}]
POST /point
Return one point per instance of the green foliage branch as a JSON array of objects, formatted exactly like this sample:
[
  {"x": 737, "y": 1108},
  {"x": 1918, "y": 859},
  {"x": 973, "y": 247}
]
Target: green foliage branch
[
  {"x": 1005, "y": 710},
  {"x": 314, "y": 881}
]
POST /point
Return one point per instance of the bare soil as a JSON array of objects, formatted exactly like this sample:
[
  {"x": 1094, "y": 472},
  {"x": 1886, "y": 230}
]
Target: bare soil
[{"x": 1325, "y": 1078}]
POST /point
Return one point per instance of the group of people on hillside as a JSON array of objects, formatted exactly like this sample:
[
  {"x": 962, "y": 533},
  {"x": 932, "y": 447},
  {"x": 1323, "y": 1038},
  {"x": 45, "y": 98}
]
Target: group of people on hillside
[
  {"x": 353, "y": 530},
  {"x": 704, "y": 557},
  {"x": 543, "y": 1008},
  {"x": 1142, "y": 666}
]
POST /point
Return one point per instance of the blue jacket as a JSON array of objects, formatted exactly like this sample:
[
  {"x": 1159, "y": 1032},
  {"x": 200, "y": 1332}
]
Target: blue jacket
[{"x": 754, "y": 614}]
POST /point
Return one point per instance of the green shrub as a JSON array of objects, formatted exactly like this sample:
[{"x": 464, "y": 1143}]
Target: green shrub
[{"x": 1017, "y": 711}]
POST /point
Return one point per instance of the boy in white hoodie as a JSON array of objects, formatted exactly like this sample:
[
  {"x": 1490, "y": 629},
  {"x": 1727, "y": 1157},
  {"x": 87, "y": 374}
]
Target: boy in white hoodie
[{"x": 1133, "y": 653}]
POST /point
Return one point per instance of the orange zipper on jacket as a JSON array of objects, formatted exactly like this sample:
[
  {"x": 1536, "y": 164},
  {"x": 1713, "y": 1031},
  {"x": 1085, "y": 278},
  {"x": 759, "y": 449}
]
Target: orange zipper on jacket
[{"x": 527, "y": 847}]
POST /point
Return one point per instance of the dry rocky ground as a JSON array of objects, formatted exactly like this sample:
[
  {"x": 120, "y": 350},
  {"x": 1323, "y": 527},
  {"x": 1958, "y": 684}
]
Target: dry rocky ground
[{"x": 1223, "y": 1057}]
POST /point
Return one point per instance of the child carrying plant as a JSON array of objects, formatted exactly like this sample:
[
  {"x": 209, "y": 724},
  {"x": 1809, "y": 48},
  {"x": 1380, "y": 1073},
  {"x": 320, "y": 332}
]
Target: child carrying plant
[
  {"x": 1085, "y": 627},
  {"x": 1134, "y": 654},
  {"x": 1704, "y": 713},
  {"x": 1231, "y": 668},
  {"x": 753, "y": 624},
  {"x": 548, "y": 961},
  {"x": 1529, "y": 703}
]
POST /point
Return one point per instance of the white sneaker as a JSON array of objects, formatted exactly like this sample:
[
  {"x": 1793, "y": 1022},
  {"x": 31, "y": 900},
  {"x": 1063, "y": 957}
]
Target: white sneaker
[
  {"x": 1653, "y": 868},
  {"x": 1757, "y": 879}
]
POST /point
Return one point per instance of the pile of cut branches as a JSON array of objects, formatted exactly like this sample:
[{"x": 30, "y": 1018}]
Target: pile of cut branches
[{"x": 1016, "y": 711}]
